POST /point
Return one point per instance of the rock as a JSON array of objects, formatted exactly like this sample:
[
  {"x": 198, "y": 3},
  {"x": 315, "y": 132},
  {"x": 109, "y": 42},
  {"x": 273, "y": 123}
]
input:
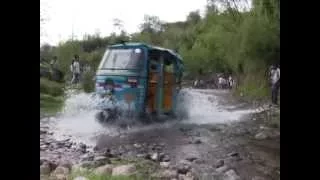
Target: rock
[
  {"x": 261, "y": 136},
  {"x": 87, "y": 157},
  {"x": 191, "y": 158},
  {"x": 165, "y": 164},
  {"x": 101, "y": 159},
  {"x": 166, "y": 174},
  {"x": 42, "y": 131},
  {"x": 196, "y": 141},
  {"x": 43, "y": 160},
  {"x": 66, "y": 164},
  {"x": 258, "y": 178},
  {"x": 58, "y": 177},
  {"x": 78, "y": 168},
  {"x": 80, "y": 178},
  {"x": 231, "y": 175},
  {"x": 88, "y": 164},
  {"x": 137, "y": 145},
  {"x": 222, "y": 169},
  {"x": 183, "y": 168},
  {"x": 124, "y": 170},
  {"x": 61, "y": 170},
  {"x": 165, "y": 158},
  {"x": 155, "y": 157},
  {"x": 45, "y": 169},
  {"x": 104, "y": 170},
  {"x": 219, "y": 163},
  {"x": 185, "y": 177},
  {"x": 233, "y": 154}
]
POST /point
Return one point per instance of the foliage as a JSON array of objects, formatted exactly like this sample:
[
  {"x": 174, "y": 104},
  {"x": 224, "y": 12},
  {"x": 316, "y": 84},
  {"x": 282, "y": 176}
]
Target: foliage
[
  {"x": 226, "y": 39},
  {"x": 50, "y": 87}
]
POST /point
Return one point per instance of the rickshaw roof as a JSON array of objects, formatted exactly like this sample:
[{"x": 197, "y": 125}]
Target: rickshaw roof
[{"x": 176, "y": 56}]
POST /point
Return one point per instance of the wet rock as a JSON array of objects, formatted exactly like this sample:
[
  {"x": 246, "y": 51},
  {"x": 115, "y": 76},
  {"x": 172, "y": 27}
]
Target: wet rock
[
  {"x": 164, "y": 164},
  {"x": 155, "y": 157},
  {"x": 261, "y": 136},
  {"x": 222, "y": 169},
  {"x": 45, "y": 169},
  {"x": 165, "y": 174},
  {"x": 231, "y": 175},
  {"x": 104, "y": 170},
  {"x": 219, "y": 163},
  {"x": 124, "y": 170},
  {"x": 80, "y": 178}
]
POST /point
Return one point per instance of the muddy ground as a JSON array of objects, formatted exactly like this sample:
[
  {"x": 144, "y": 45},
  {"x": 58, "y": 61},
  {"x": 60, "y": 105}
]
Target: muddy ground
[{"x": 247, "y": 149}]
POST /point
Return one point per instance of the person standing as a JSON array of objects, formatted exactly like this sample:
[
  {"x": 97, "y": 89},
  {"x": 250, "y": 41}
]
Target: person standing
[
  {"x": 275, "y": 83},
  {"x": 75, "y": 69}
]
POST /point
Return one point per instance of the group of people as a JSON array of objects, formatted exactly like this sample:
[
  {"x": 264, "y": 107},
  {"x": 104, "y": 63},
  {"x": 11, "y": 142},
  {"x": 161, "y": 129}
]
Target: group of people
[{"x": 224, "y": 83}]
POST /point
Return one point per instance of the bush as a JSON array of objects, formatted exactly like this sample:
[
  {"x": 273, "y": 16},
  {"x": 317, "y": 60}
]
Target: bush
[
  {"x": 87, "y": 82},
  {"x": 50, "y": 87}
]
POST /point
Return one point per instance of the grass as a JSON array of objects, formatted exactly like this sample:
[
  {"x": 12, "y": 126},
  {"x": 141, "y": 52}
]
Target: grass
[
  {"x": 50, "y": 87},
  {"x": 50, "y": 105},
  {"x": 144, "y": 169}
]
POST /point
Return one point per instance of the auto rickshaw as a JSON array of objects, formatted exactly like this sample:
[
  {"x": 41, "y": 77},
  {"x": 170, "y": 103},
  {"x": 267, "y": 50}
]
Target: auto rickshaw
[{"x": 138, "y": 80}]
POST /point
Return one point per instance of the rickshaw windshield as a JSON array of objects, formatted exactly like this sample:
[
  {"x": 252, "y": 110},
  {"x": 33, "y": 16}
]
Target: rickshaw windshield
[{"x": 122, "y": 59}]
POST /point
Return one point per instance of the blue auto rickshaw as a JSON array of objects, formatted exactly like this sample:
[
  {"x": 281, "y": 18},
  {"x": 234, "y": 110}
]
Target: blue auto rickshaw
[{"x": 138, "y": 80}]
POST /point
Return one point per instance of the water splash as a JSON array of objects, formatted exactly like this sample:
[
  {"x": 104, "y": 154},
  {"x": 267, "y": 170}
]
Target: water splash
[{"x": 77, "y": 120}]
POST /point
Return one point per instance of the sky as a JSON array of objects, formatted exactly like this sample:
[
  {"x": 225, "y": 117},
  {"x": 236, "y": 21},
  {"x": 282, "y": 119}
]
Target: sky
[{"x": 90, "y": 16}]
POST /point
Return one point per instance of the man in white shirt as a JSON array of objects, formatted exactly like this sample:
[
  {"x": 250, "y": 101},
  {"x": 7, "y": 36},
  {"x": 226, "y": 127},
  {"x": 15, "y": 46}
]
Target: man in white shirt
[
  {"x": 275, "y": 83},
  {"x": 75, "y": 67}
]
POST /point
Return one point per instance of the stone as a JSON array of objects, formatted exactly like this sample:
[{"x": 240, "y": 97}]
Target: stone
[
  {"x": 80, "y": 178},
  {"x": 104, "y": 170},
  {"x": 233, "y": 154},
  {"x": 61, "y": 170},
  {"x": 222, "y": 169},
  {"x": 185, "y": 177},
  {"x": 258, "y": 178},
  {"x": 165, "y": 158},
  {"x": 45, "y": 169},
  {"x": 165, "y": 174},
  {"x": 137, "y": 145},
  {"x": 58, "y": 177},
  {"x": 183, "y": 168},
  {"x": 155, "y": 157},
  {"x": 87, "y": 157},
  {"x": 231, "y": 175},
  {"x": 66, "y": 164},
  {"x": 219, "y": 163},
  {"x": 261, "y": 136},
  {"x": 191, "y": 158},
  {"x": 165, "y": 164},
  {"x": 125, "y": 170}
]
